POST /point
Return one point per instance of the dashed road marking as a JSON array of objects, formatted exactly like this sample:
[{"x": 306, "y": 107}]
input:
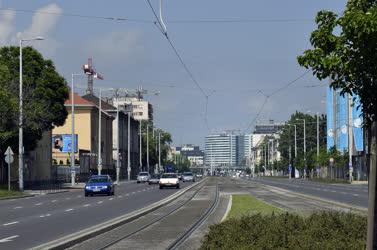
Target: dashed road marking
[
  {"x": 53, "y": 201},
  {"x": 355, "y": 195},
  {"x": 78, "y": 196},
  {"x": 69, "y": 210},
  {"x": 86, "y": 205},
  {"x": 111, "y": 199},
  {"x": 120, "y": 196},
  {"x": 45, "y": 215},
  {"x": 10, "y": 223},
  {"x": 10, "y": 238},
  {"x": 17, "y": 207},
  {"x": 38, "y": 204},
  {"x": 99, "y": 202},
  {"x": 68, "y": 198}
]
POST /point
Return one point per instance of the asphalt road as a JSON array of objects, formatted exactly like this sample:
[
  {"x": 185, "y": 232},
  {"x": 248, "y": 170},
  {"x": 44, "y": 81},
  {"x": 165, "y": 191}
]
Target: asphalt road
[
  {"x": 28, "y": 222},
  {"x": 356, "y": 195}
]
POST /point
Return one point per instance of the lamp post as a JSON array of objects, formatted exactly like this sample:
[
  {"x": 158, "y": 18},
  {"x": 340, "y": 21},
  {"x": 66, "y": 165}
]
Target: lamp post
[
  {"x": 20, "y": 128},
  {"x": 73, "y": 143},
  {"x": 304, "y": 146}
]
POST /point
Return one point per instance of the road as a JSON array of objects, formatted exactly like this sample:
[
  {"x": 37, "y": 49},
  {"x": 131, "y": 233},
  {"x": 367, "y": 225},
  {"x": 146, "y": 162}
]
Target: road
[
  {"x": 356, "y": 195},
  {"x": 28, "y": 222}
]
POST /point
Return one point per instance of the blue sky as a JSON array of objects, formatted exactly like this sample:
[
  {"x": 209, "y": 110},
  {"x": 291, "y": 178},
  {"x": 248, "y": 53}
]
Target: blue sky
[{"x": 233, "y": 61}]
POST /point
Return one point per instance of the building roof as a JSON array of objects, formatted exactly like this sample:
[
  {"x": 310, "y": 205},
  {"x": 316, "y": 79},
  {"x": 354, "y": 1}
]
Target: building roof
[
  {"x": 78, "y": 100},
  {"x": 94, "y": 99}
]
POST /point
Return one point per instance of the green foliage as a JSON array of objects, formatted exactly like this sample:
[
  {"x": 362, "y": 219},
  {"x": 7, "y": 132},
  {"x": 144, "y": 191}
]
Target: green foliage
[
  {"x": 325, "y": 230},
  {"x": 344, "y": 50},
  {"x": 44, "y": 94}
]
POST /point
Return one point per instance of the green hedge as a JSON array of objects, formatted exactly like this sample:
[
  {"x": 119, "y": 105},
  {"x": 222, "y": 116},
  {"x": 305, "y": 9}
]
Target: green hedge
[{"x": 325, "y": 230}]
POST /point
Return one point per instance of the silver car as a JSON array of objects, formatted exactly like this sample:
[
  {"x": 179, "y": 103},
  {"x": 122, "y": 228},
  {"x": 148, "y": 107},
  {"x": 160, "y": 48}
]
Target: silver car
[
  {"x": 188, "y": 176},
  {"x": 143, "y": 177}
]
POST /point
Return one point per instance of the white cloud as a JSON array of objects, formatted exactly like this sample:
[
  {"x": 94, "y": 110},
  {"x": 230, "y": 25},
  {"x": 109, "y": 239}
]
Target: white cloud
[
  {"x": 115, "y": 46},
  {"x": 6, "y": 26},
  {"x": 42, "y": 25}
]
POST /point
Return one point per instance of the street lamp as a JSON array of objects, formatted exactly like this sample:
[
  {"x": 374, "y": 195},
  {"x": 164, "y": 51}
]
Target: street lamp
[
  {"x": 73, "y": 143},
  {"x": 20, "y": 129},
  {"x": 304, "y": 145}
]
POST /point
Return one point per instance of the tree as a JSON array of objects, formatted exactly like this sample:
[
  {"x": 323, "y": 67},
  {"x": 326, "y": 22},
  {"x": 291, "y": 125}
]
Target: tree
[
  {"x": 345, "y": 51},
  {"x": 45, "y": 92}
]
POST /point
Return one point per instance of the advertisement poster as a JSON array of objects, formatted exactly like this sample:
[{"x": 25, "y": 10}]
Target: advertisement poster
[{"x": 62, "y": 143}]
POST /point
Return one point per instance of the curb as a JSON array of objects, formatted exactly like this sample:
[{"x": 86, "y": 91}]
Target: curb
[
  {"x": 230, "y": 202},
  {"x": 17, "y": 197},
  {"x": 85, "y": 234},
  {"x": 339, "y": 204}
]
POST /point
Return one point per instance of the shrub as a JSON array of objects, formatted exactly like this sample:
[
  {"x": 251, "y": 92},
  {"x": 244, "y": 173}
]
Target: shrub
[{"x": 325, "y": 230}]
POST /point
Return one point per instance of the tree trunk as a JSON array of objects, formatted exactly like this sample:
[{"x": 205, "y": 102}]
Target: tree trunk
[{"x": 372, "y": 208}]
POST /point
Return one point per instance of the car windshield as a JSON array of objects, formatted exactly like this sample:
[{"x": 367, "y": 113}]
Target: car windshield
[
  {"x": 155, "y": 176},
  {"x": 98, "y": 180},
  {"x": 169, "y": 176},
  {"x": 187, "y": 174},
  {"x": 143, "y": 174}
]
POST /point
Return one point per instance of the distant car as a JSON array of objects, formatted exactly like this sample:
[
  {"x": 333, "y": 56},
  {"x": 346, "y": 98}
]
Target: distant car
[
  {"x": 169, "y": 180},
  {"x": 199, "y": 175},
  {"x": 188, "y": 176},
  {"x": 179, "y": 176},
  {"x": 155, "y": 179},
  {"x": 143, "y": 177},
  {"x": 99, "y": 184}
]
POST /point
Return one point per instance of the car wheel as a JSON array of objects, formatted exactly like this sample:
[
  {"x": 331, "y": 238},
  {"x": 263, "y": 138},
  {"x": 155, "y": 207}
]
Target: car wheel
[
  {"x": 86, "y": 194},
  {"x": 113, "y": 193},
  {"x": 177, "y": 186},
  {"x": 161, "y": 187},
  {"x": 138, "y": 182}
]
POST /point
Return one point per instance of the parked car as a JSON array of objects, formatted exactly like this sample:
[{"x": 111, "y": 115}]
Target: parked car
[
  {"x": 99, "y": 184},
  {"x": 155, "y": 179},
  {"x": 169, "y": 180},
  {"x": 188, "y": 176},
  {"x": 143, "y": 177},
  {"x": 199, "y": 175}
]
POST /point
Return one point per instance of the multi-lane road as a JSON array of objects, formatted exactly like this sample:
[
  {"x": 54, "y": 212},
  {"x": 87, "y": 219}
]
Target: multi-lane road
[
  {"x": 28, "y": 222},
  {"x": 354, "y": 195}
]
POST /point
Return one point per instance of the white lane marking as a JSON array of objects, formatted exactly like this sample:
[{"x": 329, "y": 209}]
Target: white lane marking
[
  {"x": 38, "y": 204},
  {"x": 355, "y": 195},
  {"x": 127, "y": 194},
  {"x": 78, "y": 196},
  {"x": 10, "y": 238},
  {"x": 45, "y": 215},
  {"x": 133, "y": 192},
  {"x": 99, "y": 202},
  {"x": 68, "y": 198},
  {"x": 86, "y": 205},
  {"x": 144, "y": 190},
  {"x": 53, "y": 201},
  {"x": 69, "y": 209},
  {"x": 17, "y": 207},
  {"x": 10, "y": 223},
  {"x": 120, "y": 196},
  {"x": 111, "y": 199}
]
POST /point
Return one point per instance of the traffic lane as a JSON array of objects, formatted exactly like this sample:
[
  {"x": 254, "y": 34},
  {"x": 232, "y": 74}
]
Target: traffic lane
[
  {"x": 349, "y": 197},
  {"x": 93, "y": 211},
  {"x": 49, "y": 203},
  {"x": 363, "y": 191}
]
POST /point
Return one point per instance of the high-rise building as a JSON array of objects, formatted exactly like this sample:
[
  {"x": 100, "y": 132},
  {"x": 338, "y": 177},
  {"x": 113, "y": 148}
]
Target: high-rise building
[
  {"x": 224, "y": 149},
  {"x": 192, "y": 153}
]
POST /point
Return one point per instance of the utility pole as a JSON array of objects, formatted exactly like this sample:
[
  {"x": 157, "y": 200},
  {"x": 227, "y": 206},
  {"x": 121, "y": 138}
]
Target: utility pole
[
  {"x": 148, "y": 147},
  {"x": 73, "y": 172},
  {"x": 295, "y": 141},
  {"x": 20, "y": 122},
  {"x": 318, "y": 142},
  {"x": 99, "y": 133},
  {"x": 140, "y": 148},
  {"x": 118, "y": 135},
  {"x": 350, "y": 137},
  {"x": 211, "y": 162},
  {"x": 129, "y": 146},
  {"x": 159, "y": 150},
  {"x": 305, "y": 148}
]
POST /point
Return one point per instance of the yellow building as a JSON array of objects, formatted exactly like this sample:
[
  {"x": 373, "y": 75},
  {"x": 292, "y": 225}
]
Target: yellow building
[{"x": 86, "y": 117}]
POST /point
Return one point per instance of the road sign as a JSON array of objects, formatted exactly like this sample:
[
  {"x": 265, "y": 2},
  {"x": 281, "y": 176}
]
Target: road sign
[{"x": 9, "y": 155}]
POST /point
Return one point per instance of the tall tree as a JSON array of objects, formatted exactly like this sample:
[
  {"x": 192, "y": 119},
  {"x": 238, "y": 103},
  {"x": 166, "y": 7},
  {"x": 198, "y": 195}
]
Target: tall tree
[
  {"x": 345, "y": 51},
  {"x": 45, "y": 92}
]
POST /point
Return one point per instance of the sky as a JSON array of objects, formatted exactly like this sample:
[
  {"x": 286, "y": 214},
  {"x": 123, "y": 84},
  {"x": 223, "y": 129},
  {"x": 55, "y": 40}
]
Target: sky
[{"x": 237, "y": 63}]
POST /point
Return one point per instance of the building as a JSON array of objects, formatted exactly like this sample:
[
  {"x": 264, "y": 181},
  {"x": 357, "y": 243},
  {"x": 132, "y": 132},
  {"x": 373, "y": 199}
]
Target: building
[
  {"x": 141, "y": 110},
  {"x": 192, "y": 153},
  {"x": 86, "y": 133},
  {"x": 221, "y": 150},
  {"x": 344, "y": 129}
]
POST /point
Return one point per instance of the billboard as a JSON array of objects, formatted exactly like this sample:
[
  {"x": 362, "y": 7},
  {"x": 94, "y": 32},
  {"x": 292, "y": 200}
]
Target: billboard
[{"x": 62, "y": 143}]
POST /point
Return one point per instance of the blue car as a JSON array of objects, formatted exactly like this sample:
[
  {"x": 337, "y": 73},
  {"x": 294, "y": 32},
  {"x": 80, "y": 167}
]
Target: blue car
[{"x": 99, "y": 184}]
